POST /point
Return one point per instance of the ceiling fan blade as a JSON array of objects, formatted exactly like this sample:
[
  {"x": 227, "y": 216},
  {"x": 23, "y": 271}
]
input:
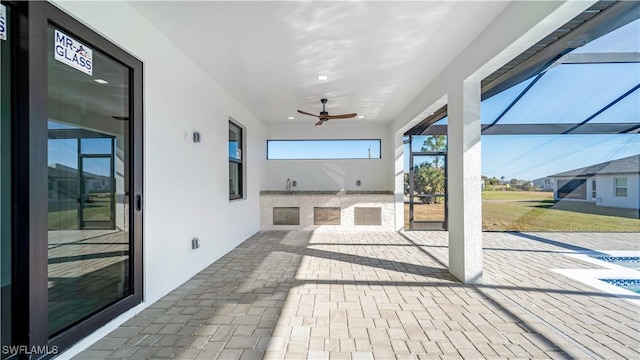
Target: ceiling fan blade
[
  {"x": 319, "y": 122},
  {"x": 306, "y": 113},
  {"x": 344, "y": 116}
]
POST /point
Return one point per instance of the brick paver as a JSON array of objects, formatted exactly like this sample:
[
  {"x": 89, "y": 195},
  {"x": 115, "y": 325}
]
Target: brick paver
[{"x": 305, "y": 295}]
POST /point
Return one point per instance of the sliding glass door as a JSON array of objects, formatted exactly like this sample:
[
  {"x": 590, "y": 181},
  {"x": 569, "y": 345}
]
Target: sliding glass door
[
  {"x": 88, "y": 127},
  {"x": 76, "y": 244}
]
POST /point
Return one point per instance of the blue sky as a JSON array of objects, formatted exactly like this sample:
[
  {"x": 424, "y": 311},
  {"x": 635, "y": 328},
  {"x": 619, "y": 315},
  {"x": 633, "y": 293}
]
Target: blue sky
[
  {"x": 565, "y": 94},
  {"x": 539, "y": 156},
  {"x": 570, "y": 93},
  {"x": 65, "y": 152},
  {"x": 324, "y": 149},
  {"x": 528, "y": 157}
]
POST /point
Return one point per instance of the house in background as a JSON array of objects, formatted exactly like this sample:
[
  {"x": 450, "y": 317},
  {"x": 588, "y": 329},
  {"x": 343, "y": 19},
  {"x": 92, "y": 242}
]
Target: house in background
[
  {"x": 614, "y": 183},
  {"x": 544, "y": 183}
]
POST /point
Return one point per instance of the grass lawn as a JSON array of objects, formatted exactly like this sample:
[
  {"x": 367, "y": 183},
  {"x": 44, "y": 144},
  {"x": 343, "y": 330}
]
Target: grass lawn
[
  {"x": 517, "y": 195},
  {"x": 536, "y": 211},
  {"x": 424, "y": 212},
  {"x": 99, "y": 210}
]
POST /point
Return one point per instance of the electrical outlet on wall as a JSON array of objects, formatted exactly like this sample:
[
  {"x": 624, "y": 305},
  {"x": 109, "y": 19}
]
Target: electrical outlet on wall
[{"x": 195, "y": 243}]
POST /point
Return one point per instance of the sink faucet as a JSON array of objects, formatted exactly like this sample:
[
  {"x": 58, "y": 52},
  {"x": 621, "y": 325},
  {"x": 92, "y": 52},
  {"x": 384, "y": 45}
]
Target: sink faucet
[{"x": 288, "y": 185}]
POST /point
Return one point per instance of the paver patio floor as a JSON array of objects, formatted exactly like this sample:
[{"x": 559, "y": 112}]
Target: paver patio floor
[{"x": 312, "y": 295}]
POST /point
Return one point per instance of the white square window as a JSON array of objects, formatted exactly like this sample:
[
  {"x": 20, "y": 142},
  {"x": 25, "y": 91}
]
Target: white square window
[{"x": 620, "y": 187}]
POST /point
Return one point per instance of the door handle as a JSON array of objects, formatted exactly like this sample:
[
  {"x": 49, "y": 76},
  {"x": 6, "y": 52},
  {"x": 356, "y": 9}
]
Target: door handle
[{"x": 138, "y": 202}]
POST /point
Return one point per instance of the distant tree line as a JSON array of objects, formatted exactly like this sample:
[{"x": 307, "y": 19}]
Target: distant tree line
[{"x": 513, "y": 184}]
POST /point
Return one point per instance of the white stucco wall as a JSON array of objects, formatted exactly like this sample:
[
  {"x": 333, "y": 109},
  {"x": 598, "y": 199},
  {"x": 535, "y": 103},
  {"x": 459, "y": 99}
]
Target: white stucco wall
[
  {"x": 185, "y": 184},
  {"x": 342, "y": 174},
  {"x": 606, "y": 191}
]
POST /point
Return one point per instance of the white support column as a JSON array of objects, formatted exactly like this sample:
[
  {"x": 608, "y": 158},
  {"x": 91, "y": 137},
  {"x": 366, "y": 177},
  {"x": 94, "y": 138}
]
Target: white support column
[
  {"x": 398, "y": 181},
  {"x": 464, "y": 191}
]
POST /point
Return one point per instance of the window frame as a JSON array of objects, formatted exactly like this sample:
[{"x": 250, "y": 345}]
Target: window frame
[
  {"x": 239, "y": 162},
  {"x": 617, "y": 187},
  {"x": 570, "y": 191},
  {"x": 324, "y": 159}
]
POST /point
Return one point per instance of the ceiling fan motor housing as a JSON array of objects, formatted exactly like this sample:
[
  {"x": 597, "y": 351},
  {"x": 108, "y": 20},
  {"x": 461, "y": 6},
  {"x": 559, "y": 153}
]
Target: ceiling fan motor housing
[{"x": 324, "y": 114}]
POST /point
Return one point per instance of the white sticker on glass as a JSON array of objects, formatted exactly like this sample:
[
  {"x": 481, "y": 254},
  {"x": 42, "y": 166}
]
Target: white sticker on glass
[
  {"x": 3, "y": 23},
  {"x": 71, "y": 52}
]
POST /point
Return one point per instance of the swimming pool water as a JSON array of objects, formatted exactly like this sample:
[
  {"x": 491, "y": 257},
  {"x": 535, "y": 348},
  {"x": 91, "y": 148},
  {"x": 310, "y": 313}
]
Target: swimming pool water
[
  {"x": 629, "y": 284},
  {"x": 632, "y": 262}
]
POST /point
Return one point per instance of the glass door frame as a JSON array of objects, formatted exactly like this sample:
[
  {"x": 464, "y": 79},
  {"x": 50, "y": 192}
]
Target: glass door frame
[
  {"x": 7, "y": 55},
  {"x": 412, "y": 155},
  {"x": 112, "y": 194},
  {"x": 30, "y": 296}
]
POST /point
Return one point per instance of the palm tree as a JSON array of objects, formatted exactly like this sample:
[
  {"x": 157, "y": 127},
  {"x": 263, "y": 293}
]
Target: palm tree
[
  {"x": 430, "y": 176},
  {"x": 435, "y": 143},
  {"x": 429, "y": 180}
]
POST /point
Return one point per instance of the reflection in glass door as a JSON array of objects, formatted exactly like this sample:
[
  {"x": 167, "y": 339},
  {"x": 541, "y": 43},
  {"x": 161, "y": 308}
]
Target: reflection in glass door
[
  {"x": 63, "y": 182},
  {"x": 96, "y": 205},
  {"x": 89, "y": 244},
  {"x": 97, "y": 209}
]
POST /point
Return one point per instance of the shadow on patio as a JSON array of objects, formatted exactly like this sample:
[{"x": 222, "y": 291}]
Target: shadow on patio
[{"x": 299, "y": 295}]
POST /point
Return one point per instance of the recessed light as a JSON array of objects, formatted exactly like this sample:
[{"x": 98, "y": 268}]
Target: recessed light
[
  {"x": 322, "y": 77},
  {"x": 291, "y": 118},
  {"x": 100, "y": 81},
  {"x": 361, "y": 117}
]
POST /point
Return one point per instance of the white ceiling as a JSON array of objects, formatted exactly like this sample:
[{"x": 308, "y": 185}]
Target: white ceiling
[{"x": 378, "y": 55}]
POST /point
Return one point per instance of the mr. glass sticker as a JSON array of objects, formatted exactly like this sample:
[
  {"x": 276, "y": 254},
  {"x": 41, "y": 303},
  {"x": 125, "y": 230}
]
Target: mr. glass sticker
[
  {"x": 3, "y": 23},
  {"x": 73, "y": 53}
]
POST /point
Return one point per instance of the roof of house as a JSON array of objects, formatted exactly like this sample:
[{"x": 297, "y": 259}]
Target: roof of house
[{"x": 628, "y": 165}]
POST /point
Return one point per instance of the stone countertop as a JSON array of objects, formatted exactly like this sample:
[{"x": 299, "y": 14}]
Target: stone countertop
[{"x": 326, "y": 192}]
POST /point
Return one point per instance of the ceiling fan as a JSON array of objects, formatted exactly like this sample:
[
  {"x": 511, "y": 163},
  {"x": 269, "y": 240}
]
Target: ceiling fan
[{"x": 324, "y": 115}]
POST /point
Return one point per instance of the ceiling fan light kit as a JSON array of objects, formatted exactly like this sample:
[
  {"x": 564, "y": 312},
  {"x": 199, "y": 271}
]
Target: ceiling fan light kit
[{"x": 324, "y": 115}]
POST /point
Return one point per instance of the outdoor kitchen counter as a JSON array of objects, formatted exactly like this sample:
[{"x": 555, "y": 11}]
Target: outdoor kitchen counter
[{"x": 327, "y": 210}]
